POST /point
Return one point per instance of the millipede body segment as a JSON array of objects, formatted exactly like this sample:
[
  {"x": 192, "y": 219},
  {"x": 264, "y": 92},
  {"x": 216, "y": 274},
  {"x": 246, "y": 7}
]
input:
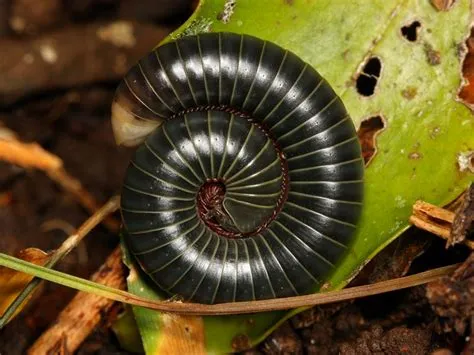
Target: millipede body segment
[{"x": 248, "y": 182}]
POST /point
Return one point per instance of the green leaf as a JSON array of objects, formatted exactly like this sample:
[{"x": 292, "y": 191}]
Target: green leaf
[
  {"x": 426, "y": 129},
  {"x": 126, "y": 331},
  {"x": 148, "y": 322}
]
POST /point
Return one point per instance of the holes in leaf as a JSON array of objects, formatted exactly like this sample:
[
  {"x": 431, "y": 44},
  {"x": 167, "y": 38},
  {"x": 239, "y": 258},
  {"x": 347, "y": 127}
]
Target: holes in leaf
[
  {"x": 367, "y": 133},
  {"x": 410, "y": 32},
  {"x": 368, "y": 78}
]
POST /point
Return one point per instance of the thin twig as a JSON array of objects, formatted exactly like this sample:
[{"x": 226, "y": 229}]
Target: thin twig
[
  {"x": 226, "y": 308},
  {"x": 28, "y": 155},
  {"x": 70, "y": 243}
]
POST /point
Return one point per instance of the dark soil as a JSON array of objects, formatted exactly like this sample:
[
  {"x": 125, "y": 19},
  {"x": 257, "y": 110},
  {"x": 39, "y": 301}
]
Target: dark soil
[{"x": 74, "y": 124}]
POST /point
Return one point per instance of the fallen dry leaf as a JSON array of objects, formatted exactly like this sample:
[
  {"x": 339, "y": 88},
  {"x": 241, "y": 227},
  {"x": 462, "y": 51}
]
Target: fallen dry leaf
[{"x": 12, "y": 282}]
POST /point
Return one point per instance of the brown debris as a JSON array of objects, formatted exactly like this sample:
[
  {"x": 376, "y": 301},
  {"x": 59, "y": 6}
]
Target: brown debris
[
  {"x": 402, "y": 340},
  {"x": 453, "y": 299},
  {"x": 440, "y": 221},
  {"x": 240, "y": 342},
  {"x": 432, "y": 56},
  {"x": 56, "y": 60},
  {"x": 469, "y": 348},
  {"x": 84, "y": 312},
  {"x": 399, "y": 340},
  {"x": 432, "y": 218},
  {"x": 401, "y": 255},
  {"x": 283, "y": 341},
  {"x": 315, "y": 315},
  {"x": 464, "y": 219},
  {"x": 343, "y": 328}
]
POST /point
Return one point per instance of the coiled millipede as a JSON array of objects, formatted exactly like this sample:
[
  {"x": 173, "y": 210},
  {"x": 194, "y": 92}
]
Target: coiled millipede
[{"x": 248, "y": 182}]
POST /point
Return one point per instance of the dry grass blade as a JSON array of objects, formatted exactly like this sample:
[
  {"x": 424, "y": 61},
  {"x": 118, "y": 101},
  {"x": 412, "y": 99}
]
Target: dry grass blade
[{"x": 225, "y": 308}]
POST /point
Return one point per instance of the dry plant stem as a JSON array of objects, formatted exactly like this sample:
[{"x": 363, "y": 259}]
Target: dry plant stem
[
  {"x": 72, "y": 241},
  {"x": 435, "y": 220},
  {"x": 69, "y": 244},
  {"x": 169, "y": 306},
  {"x": 83, "y": 313},
  {"x": 299, "y": 301},
  {"x": 28, "y": 155}
]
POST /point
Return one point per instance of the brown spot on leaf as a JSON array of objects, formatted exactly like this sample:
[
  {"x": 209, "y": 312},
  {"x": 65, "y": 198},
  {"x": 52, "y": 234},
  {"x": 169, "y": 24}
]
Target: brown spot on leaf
[
  {"x": 432, "y": 56},
  {"x": 442, "y": 5},
  {"x": 181, "y": 335},
  {"x": 367, "y": 133},
  {"x": 241, "y": 342},
  {"x": 409, "y": 92},
  {"x": 415, "y": 155},
  {"x": 345, "y": 54},
  {"x": 289, "y": 2},
  {"x": 435, "y": 132},
  {"x": 326, "y": 286}
]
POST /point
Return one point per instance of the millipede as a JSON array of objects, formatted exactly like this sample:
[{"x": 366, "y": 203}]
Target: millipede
[{"x": 247, "y": 182}]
